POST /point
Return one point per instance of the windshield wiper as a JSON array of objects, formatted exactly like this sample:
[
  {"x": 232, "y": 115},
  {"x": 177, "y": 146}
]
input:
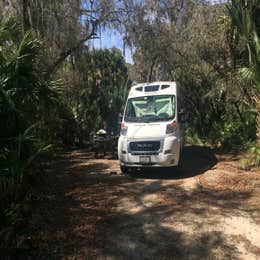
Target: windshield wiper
[
  {"x": 133, "y": 119},
  {"x": 162, "y": 118}
]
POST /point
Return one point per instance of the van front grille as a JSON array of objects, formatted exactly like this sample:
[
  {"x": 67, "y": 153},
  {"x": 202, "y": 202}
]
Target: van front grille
[
  {"x": 145, "y": 153},
  {"x": 145, "y": 146}
]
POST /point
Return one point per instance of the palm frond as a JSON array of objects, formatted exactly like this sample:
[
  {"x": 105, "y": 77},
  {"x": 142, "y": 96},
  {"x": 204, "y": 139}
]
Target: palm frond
[
  {"x": 247, "y": 73},
  {"x": 243, "y": 26},
  {"x": 10, "y": 28}
]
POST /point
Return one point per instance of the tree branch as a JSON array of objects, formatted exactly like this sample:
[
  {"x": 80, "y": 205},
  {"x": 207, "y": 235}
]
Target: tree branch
[
  {"x": 62, "y": 57},
  {"x": 91, "y": 35}
]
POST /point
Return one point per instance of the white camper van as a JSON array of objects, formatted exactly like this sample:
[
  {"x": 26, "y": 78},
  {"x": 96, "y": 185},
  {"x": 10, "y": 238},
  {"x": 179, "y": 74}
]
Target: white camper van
[{"x": 151, "y": 129}]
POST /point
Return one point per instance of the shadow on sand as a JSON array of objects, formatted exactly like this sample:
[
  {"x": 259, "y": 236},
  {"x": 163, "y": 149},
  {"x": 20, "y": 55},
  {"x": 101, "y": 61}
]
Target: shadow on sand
[
  {"x": 86, "y": 213},
  {"x": 196, "y": 160}
]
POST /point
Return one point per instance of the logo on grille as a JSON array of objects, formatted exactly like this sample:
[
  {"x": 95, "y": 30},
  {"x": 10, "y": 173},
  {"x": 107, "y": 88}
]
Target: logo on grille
[{"x": 144, "y": 145}]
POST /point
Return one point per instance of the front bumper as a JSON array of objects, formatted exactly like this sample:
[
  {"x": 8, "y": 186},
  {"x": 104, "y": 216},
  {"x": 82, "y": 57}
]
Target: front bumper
[{"x": 167, "y": 156}]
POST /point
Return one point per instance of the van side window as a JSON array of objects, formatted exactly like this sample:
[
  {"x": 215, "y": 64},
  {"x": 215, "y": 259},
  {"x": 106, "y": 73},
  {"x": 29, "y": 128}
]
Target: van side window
[{"x": 130, "y": 110}]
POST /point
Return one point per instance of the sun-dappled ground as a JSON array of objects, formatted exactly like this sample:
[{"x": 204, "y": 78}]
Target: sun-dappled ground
[{"x": 207, "y": 209}]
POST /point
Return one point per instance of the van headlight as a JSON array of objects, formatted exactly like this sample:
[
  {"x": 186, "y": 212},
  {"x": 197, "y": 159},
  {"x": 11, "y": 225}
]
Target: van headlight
[
  {"x": 170, "y": 128},
  {"x": 123, "y": 130}
]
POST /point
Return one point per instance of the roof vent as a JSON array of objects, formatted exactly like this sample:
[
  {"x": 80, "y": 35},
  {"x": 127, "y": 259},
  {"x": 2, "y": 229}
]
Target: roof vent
[
  {"x": 151, "y": 88},
  {"x": 165, "y": 86},
  {"x": 139, "y": 89}
]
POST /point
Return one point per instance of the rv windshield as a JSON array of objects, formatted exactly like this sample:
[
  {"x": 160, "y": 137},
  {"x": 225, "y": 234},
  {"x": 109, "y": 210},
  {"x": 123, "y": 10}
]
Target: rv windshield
[{"x": 150, "y": 108}]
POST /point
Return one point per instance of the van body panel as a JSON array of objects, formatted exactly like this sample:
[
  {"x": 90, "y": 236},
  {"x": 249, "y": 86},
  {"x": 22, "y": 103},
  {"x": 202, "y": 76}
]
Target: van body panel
[
  {"x": 148, "y": 139},
  {"x": 144, "y": 130}
]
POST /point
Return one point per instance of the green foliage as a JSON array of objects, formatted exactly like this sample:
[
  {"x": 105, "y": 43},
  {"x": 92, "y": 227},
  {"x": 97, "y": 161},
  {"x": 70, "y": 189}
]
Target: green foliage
[
  {"x": 28, "y": 101},
  {"x": 234, "y": 133},
  {"x": 244, "y": 164},
  {"x": 244, "y": 16},
  {"x": 245, "y": 37},
  {"x": 192, "y": 137},
  {"x": 211, "y": 50},
  {"x": 96, "y": 89},
  {"x": 251, "y": 157},
  {"x": 255, "y": 151},
  {"x": 35, "y": 108},
  {"x": 195, "y": 45}
]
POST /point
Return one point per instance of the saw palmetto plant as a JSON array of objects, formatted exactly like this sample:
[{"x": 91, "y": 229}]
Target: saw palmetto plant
[
  {"x": 245, "y": 29},
  {"x": 24, "y": 98}
]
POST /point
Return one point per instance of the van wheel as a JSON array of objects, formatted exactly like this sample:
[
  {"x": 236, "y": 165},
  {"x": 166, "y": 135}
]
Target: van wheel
[
  {"x": 124, "y": 169},
  {"x": 180, "y": 158},
  {"x": 127, "y": 171}
]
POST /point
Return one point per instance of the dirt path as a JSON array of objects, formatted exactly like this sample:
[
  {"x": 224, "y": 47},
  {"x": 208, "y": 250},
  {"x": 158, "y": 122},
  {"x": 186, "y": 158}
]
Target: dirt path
[{"x": 209, "y": 209}]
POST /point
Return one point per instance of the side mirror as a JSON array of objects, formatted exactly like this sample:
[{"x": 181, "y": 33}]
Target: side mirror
[
  {"x": 181, "y": 117},
  {"x": 120, "y": 118}
]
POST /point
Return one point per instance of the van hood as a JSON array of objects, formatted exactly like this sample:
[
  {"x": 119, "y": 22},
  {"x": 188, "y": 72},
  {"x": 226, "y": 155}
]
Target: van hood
[{"x": 146, "y": 130}]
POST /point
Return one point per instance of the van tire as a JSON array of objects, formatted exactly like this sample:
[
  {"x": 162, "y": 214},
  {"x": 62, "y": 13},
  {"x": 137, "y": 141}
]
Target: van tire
[
  {"x": 127, "y": 171},
  {"x": 124, "y": 169},
  {"x": 180, "y": 158}
]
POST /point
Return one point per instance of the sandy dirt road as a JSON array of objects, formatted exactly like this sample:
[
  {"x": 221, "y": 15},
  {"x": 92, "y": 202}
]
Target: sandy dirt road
[{"x": 208, "y": 209}]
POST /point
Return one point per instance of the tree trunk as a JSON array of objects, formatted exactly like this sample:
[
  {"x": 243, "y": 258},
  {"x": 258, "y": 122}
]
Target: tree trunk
[
  {"x": 258, "y": 121},
  {"x": 256, "y": 99},
  {"x": 150, "y": 72},
  {"x": 26, "y": 21}
]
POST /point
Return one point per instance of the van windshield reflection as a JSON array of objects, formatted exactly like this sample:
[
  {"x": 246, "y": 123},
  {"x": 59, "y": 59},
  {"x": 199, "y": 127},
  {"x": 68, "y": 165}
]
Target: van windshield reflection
[{"x": 150, "y": 108}]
